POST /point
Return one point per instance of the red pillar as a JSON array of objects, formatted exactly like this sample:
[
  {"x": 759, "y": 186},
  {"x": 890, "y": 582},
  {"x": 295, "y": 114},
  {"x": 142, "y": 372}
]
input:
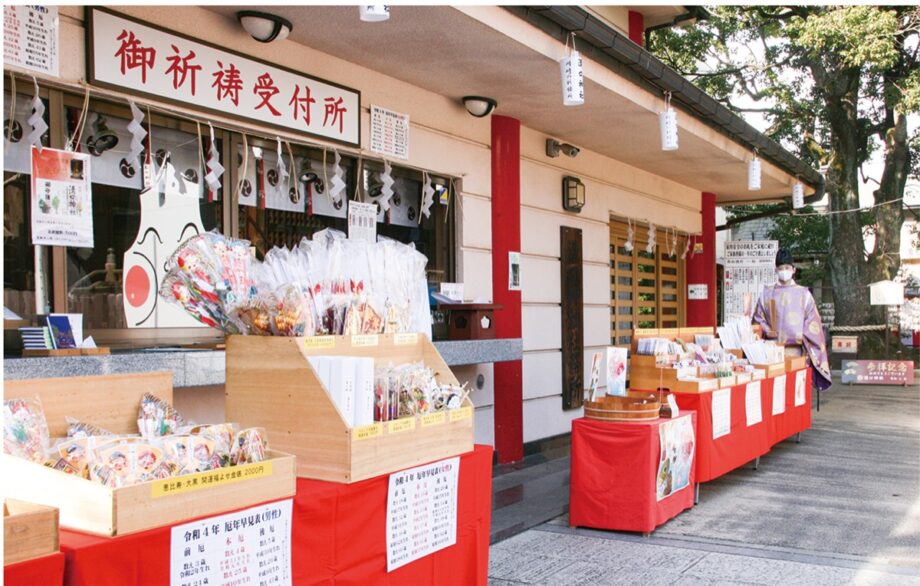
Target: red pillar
[
  {"x": 637, "y": 28},
  {"x": 506, "y": 237},
  {"x": 701, "y": 268}
]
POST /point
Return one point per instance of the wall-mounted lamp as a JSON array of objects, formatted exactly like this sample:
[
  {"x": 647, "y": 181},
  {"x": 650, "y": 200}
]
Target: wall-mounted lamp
[
  {"x": 479, "y": 106},
  {"x": 374, "y": 13},
  {"x": 264, "y": 27},
  {"x": 554, "y": 147},
  {"x": 573, "y": 194}
]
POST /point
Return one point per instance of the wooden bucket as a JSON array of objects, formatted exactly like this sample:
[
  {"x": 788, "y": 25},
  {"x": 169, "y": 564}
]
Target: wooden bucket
[{"x": 635, "y": 406}]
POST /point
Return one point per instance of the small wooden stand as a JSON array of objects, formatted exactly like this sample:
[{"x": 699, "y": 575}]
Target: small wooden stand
[
  {"x": 271, "y": 384},
  {"x": 471, "y": 321}
]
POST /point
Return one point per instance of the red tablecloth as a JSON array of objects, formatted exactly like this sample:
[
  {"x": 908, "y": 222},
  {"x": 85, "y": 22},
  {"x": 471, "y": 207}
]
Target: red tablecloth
[
  {"x": 342, "y": 537},
  {"x": 338, "y": 536},
  {"x": 613, "y": 477},
  {"x": 47, "y": 570},
  {"x": 744, "y": 443}
]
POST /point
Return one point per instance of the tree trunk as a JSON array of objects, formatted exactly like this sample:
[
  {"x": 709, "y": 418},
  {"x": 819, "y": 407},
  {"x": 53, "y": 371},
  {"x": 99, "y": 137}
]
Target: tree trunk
[
  {"x": 847, "y": 250},
  {"x": 885, "y": 259}
]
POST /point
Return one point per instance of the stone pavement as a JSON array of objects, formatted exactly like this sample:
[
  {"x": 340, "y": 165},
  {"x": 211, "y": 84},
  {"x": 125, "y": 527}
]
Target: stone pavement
[{"x": 841, "y": 507}]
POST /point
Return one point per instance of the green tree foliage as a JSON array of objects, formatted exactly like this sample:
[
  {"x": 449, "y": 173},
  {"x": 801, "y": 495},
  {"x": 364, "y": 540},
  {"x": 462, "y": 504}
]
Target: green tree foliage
[{"x": 834, "y": 83}]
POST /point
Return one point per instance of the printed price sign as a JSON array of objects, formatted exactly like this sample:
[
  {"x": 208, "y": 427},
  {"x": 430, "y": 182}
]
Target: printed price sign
[
  {"x": 252, "y": 546},
  {"x": 421, "y": 511},
  {"x": 62, "y": 202},
  {"x": 319, "y": 342},
  {"x": 190, "y": 482},
  {"x": 367, "y": 432}
]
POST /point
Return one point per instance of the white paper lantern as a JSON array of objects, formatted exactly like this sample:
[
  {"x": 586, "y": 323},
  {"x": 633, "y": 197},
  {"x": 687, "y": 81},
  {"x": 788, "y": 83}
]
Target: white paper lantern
[
  {"x": 667, "y": 121},
  {"x": 798, "y": 196},
  {"x": 374, "y": 12},
  {"x": 754, "y": 174},
  {"x": 573, "y": 79}
]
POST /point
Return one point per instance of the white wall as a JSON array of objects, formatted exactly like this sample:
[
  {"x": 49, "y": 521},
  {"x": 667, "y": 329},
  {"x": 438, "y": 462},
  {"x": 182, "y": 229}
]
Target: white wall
[{"x": 444, "y": 139}]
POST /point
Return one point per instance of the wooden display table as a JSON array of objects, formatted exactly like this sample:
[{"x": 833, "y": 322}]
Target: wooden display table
[{"x": 614, "y": 473}]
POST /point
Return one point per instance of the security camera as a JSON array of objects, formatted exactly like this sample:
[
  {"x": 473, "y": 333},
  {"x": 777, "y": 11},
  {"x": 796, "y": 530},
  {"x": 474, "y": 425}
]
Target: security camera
[
  {"x": 554, "y": 147},
  {"x": 570, "y": 150}
]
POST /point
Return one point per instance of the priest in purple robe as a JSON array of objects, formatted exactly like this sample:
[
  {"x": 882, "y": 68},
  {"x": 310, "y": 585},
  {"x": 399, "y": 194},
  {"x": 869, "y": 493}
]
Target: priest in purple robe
[{"x": 788, "y": 314}]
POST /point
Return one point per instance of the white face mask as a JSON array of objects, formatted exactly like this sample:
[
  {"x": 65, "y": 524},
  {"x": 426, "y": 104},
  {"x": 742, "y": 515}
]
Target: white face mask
[{"x": 784, "y": 275}]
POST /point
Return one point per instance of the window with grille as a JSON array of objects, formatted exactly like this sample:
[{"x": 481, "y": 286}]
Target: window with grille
[{"x": 646, "y": 290}]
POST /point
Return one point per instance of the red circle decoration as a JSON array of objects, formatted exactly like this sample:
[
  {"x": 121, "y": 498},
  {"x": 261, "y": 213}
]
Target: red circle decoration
[{"x": 137, "y": 286}]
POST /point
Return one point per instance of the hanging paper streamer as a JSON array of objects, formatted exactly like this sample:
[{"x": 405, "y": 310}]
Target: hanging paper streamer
[
  {"x": 386, "y": 191},
  {"x": 427, "y": 196},
  {"x": 650, "y": 248},
  {"x": 630, "y": 232},
  {"x": 672, "y": 246},
  {"x": 138, "y": 134},
  {"x": 686, "y": 248},
  {"x": 37, "y": 120},
  {"x": 283, "y": 173},
  {"x": 215, "y": 169},
  {"x": 338, "y": 184}
]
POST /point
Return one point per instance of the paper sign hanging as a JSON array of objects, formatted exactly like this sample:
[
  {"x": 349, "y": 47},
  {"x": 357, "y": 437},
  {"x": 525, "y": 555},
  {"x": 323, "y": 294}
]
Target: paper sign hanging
[
  {"x": 779, "y": 395},
  {"x": 362, "y": 221},
  {"x": 752, "y": 406},
  {"x": 721, "y": 413},
  {"x": 389, "y": 133},
  {"x": 514, "y": 271},
  {"x": 421, "y": 511},
  {"x": 252, "y": 545},
  {"x": 62, "y": 202},
  {"x": 798, "y": 196},
  {"x": 31, "y": 38},
  {"x": 698, "y": 291},
  {"x": 573, "y": 79},
  {"x": 675, "y": 459}
]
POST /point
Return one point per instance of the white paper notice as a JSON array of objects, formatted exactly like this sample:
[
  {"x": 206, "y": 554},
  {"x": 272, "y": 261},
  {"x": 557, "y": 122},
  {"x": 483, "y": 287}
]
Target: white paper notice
[
  {"x": 252, "y": 546},
  {"x": 779, "y": 394},
  {"x": 514, "y": 271},
  {"x": 362, "y": 221},
  {"x": 421, "y": 511},
  {"x": 800, "y": 387},
  {"x": 752, "y": 406},
  {"x": 30, "y": 37},
  {"x": 721, "y": 413},
  {"x": 389, "y": 132},
  {"x": 62, "y": 202}
]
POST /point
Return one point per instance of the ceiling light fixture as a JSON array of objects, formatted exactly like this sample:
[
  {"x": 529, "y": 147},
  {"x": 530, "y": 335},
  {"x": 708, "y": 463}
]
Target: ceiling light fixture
[
  {"x": 374, "y": 13},
  {"x": 264, "y": 27},
  {"x": 479, "y": 106}
]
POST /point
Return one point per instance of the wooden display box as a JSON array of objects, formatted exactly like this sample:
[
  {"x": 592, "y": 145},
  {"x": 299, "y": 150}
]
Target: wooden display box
[
  {"x": 758, "y": 374},
  {"x": 471, "y": 321},
  {"x": 271, "y": 384},
  {"x": 795, "y": 363},
  {"x": 112, "y": 402},
  {"x": 651, "y": 378},
  {"x": 771, "y": 370},
  {"x": 742, "y": 378},
  {"x": 702, "y": 384},
  {"x": 29, "y": 530},
  {"x": 725, "y": 382}
]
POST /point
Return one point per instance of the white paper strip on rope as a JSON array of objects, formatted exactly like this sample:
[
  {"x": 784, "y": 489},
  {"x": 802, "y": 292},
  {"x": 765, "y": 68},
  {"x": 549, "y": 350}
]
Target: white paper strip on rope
[
  {"x": 386, "y": 189},
  {"x": 337, "y": 181},
  {"x": 138, "y": 134},
  {"x": 427, "y": 196},
  {"x": 16, "y": 150},
  {"x": 215, "y": 169},
  {"x": 37, "y": 120},
  {"x": 318, "y": 201},
  {"x": 572, "y": 70},
  {"x": 652, "y": 231}
]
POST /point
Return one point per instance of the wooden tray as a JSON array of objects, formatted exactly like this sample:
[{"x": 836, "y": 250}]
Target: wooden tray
[
  {"x": 271, "y": 384},
  {"x": 29, "y": 530},
  {"x": 635, "y": 406},
  {"x": 66, "y": 352},
  {"x": 771, "y": 370},
  {"x": 742, "y": 378},
  {"x": 795, "y": 363},
  {"x": 111, "y": 402}
]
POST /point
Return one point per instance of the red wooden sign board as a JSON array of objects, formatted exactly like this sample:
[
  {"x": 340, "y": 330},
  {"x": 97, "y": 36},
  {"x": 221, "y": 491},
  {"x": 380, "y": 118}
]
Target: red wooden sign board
[{"x": 878, "y": 372}]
